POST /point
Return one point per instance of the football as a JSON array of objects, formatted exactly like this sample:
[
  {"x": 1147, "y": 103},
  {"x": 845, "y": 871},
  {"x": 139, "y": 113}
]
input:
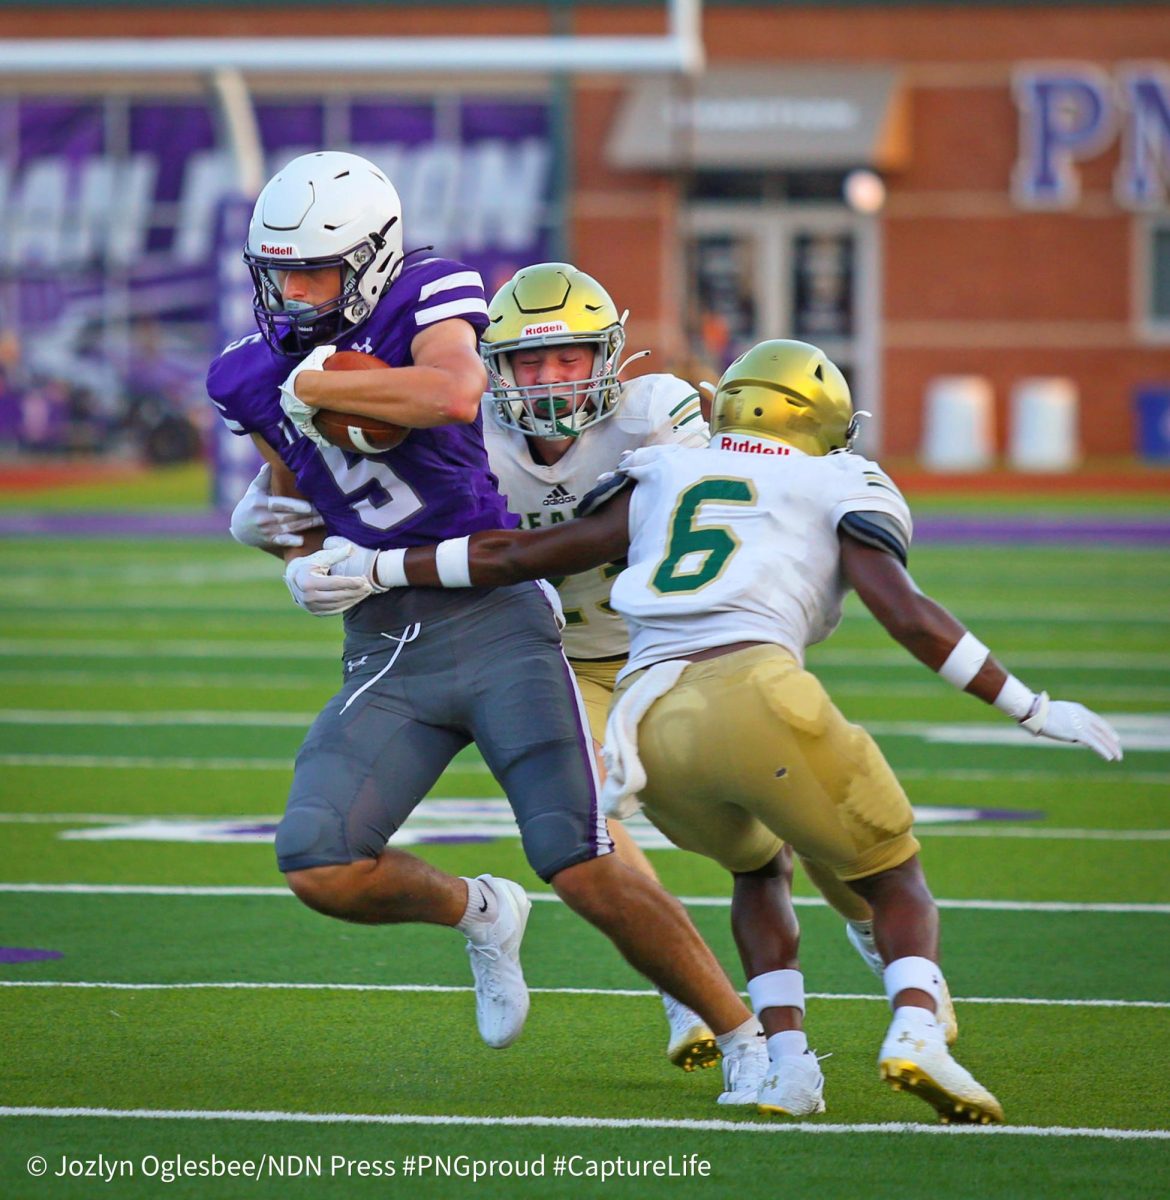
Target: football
[{"x": 352, "y": 431}]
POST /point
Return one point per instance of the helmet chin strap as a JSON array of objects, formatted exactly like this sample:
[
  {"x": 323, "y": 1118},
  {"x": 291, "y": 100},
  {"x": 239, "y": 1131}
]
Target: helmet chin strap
[
  {"x": 854, "y": 428},
  {"x": 632, "y": 359}
]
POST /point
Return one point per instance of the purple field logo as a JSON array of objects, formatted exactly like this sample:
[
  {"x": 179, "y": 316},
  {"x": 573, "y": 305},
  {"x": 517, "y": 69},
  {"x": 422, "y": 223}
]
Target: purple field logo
[
  {"x": 448, "y": 822},
  {"x": 22, "y": 954}
]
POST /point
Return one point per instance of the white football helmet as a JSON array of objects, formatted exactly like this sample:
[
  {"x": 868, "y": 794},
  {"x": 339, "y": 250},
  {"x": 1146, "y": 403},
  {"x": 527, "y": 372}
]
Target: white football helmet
[{"x": 323, "y": 210}]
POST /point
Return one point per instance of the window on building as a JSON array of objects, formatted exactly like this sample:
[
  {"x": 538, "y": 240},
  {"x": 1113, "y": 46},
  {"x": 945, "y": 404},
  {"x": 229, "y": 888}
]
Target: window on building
[{"x": 1158, "y": 292}]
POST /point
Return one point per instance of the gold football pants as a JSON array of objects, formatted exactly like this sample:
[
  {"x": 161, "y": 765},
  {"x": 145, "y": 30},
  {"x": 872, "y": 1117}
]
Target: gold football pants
[{"x": 747, "y": 751}]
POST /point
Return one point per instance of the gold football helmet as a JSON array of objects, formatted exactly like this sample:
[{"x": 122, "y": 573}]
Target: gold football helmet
[
  {"x": 787, "y": 391},
  {"x": 554, "y": 304}
]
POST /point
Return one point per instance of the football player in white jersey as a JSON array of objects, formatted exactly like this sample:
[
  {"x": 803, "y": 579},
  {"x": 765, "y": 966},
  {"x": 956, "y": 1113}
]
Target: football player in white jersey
[
  {"x": 558, "y": 417},
  {"x": 739, "y": 557}
]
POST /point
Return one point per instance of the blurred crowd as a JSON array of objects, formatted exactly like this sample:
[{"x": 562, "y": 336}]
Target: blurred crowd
[{"x": 79, "y": 393}]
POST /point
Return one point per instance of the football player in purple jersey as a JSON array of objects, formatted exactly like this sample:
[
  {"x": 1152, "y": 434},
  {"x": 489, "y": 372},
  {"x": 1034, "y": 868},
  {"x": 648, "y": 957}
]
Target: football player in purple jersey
[{"x": 426, "y": 672}]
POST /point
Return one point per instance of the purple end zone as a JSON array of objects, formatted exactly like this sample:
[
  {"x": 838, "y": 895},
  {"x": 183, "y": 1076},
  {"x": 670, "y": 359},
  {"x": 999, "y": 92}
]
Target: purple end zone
[{"x": 19, "y": 954}]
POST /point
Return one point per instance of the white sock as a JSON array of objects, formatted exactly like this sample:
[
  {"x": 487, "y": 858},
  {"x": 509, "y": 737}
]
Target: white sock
[
  {"x": 789, "y": 1044},
  {"x": 483, "y": 907},
  {"x": 751, "y": 1028}
]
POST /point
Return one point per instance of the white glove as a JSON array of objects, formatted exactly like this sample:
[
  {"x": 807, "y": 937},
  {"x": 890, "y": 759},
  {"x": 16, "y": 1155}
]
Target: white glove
[
  {"x": 319, "y": 592},
  {"x": 297, "y": 411},
  {"x": 358, "y": 563},
  {"x": 1065, "y": 721},
  {"x": 264, "y": 520}
]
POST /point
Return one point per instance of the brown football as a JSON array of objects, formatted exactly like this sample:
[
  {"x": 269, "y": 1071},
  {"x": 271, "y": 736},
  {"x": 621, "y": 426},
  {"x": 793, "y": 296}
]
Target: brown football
[{"x": 352, "y": 431}]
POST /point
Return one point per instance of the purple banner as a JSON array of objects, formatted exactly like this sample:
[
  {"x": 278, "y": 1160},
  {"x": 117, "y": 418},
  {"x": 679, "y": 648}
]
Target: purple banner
[{"x": 121, "y": 230}]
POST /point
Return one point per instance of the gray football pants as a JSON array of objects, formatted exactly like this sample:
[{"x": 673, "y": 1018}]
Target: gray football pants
[{"x": 425, "y": 674}]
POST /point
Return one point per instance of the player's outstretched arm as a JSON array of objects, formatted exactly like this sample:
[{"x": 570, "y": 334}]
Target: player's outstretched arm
[
  {"x": 940, "y": 641},
  {"x": 496, "y": 557}
]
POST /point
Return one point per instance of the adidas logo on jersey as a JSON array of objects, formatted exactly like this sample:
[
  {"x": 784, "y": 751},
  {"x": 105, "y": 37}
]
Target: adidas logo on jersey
[
  {"x": 750, "y": 445},
  {"x": 559, "y": 495}
]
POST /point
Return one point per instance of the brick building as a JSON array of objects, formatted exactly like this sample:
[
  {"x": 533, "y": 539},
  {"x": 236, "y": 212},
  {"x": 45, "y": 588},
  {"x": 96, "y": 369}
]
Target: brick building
[{"x": 1023, "y": 152}]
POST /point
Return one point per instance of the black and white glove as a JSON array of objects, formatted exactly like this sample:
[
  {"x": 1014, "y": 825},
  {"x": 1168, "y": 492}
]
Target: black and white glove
[
  {"x": 297, "y": 411},
  {"x": 1066, "y": 721},
  {"x": 266, "y": 521},
  {"x": 320, "y": 592}
]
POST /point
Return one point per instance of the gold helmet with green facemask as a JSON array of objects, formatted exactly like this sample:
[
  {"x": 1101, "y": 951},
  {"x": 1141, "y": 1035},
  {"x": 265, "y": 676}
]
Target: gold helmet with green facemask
[
  {"x": 553, "y": 304},
  {"x": 787, "y": 391}
]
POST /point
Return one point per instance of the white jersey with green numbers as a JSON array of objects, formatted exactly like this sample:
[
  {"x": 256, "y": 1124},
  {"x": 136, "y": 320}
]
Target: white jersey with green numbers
[
  {"x": 654, "y": 410},
  {"x": 741, "y": 544}
]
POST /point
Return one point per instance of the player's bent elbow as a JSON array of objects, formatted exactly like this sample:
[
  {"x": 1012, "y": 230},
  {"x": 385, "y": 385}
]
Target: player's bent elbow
[{"x": 460, "y": 406}]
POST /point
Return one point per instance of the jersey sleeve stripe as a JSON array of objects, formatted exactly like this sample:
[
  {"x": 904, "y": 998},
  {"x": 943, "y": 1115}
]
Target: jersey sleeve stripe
[
  {"x": 453, "y": 308},
  {"x": 689, "y": 417},
  {"x": 448, "y": 282},
  {"x": 880, "y": 534},
  {"x": 684, "y": 402}
]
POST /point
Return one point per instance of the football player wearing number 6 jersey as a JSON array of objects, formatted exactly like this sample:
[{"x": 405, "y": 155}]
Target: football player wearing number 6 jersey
[
  {"x": 558, "y": 417},
  {"x": 739, "y": 557},
  {"x": 425, "y": 674}
]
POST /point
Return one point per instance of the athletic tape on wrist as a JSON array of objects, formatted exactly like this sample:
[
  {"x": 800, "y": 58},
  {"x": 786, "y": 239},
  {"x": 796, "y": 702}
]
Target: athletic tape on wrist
[
  {"x": 963, "y": 663},
  {"x": 390, "y": 569},
  {"x": 1015, "y": 699},
  {"x": 776, "y": 989},
  {"x": 1037, "y": 716},
  {"x": 912, "y": 972},
  {"x": 452, "y": 563}
]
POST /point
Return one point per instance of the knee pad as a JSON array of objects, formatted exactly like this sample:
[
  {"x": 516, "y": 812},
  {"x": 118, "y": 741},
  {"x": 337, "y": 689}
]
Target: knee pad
[
  {"x": 556, "y": 840},
  {"x": 310, "y": 836}
]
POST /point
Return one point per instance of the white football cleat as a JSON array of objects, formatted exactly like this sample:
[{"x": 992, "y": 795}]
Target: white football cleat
[
  {"x": 866, "y": 946},
  {"x": 915, "y": 1058},
  {"x": 744, "y": 1068},
  {"x": 692, "y": 1045},
  {"x": 793, "y": 1086},
  {"x": 501, "y": 995}
]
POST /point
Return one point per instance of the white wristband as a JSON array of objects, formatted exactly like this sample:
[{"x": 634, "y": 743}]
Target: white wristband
[
  {"x": 964, "y": 662},
  {"x": 452, "y": 563},
  {"x": 1015, "y": 698},
  {"x": 390, "y": 569}
]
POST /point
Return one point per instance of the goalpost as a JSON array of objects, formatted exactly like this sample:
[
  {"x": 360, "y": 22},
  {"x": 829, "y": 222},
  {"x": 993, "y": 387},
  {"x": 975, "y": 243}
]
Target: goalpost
[{"x": 227, "y": 62}]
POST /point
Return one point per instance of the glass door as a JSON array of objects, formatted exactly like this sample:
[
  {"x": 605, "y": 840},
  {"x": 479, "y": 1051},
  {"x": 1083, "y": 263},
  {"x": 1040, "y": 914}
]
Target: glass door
[{"x": 785, "y": 270}]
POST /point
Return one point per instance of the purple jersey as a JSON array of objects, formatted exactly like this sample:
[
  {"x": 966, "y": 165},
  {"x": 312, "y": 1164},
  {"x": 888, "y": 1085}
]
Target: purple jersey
[{"x": 436, "y": 484}]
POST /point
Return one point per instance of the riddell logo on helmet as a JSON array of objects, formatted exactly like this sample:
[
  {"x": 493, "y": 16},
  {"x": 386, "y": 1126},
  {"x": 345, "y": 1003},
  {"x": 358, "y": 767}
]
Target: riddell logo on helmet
[
  {"x": 546, "y": 327},
  {"x": 277, "y": 251},
  {"x": 751, "y": 446}
]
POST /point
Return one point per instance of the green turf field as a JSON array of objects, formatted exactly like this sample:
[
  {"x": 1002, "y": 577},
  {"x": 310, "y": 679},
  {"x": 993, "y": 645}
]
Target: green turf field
[{"x": 155, "y": 690}]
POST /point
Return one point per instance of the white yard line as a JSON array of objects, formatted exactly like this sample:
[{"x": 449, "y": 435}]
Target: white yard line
[
  {"x": 1060, "y": 659},
  {"x": 280, "y": 986},
  {"x": 286, "y": 681},
  {"x": 213, "y": 890},
  {"x": 125, "y": 762},
  {"x": 923, "y": 830},
  {"x": 621, "y": 1123},
  {"x": 147, "y": 648},
  {"x": 229, "y": 718},
  {"x": 241, "y": 650}
]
